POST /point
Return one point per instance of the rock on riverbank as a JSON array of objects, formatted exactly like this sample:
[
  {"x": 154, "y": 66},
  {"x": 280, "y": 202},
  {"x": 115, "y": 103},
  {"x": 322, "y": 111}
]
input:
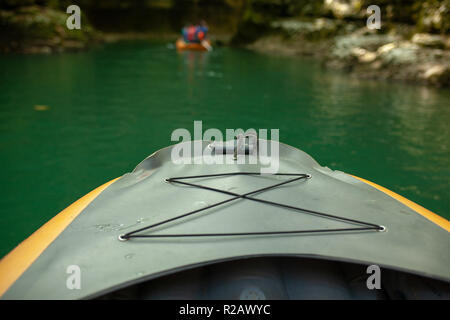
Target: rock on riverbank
[{"x": 392, "y": 57}]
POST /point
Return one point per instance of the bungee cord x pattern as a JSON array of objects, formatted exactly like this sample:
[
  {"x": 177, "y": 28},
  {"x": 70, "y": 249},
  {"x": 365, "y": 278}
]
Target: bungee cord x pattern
[{"x": 366, "y": 226}]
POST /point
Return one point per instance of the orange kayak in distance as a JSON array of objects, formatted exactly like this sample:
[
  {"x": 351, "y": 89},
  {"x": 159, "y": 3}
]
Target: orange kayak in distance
[{"x": 182, "y": 45}]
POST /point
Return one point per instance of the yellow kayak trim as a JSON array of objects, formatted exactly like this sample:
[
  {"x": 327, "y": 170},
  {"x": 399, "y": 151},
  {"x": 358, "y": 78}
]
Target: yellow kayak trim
[
  {"x": 433, "y": 217},
  {"x": 15, "y": 263}
]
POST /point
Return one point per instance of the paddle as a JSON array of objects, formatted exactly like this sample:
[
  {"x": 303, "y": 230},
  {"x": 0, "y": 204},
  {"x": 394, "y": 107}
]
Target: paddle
[{"x": 206, "y": 45}]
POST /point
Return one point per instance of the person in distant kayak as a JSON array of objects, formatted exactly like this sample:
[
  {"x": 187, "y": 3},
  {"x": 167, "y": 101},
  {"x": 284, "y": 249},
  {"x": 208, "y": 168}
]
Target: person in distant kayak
[{"x": 195, "y": 33}]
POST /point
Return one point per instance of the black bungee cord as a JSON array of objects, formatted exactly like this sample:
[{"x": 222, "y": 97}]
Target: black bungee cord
[{"x": 133, "y": 234}]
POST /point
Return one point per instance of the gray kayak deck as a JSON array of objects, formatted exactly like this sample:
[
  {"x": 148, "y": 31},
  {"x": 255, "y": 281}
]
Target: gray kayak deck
[{"x": 410, "y": 243}]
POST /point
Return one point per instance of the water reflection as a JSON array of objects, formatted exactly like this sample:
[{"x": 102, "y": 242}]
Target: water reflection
[{"x": 194, "y": 64}]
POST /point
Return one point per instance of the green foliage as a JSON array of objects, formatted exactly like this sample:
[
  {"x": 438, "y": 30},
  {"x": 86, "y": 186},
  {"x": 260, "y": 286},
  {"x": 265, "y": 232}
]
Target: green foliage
[
  {"x": 433, "y": 16},
  {"x": 31, "y": 26}
]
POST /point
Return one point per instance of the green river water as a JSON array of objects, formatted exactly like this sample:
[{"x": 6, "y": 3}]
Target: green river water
[{"x": 108, "y": 108}]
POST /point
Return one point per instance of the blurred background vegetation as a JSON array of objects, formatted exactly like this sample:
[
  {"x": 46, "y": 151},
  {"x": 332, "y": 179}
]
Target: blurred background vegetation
[{"x": 38, "y": 22}]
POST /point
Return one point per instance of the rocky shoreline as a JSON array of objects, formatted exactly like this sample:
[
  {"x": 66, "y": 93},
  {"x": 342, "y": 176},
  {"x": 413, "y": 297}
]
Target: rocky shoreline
[
  {"x": 421, "y": 58},
  {"x": 411, "y": 45}
]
